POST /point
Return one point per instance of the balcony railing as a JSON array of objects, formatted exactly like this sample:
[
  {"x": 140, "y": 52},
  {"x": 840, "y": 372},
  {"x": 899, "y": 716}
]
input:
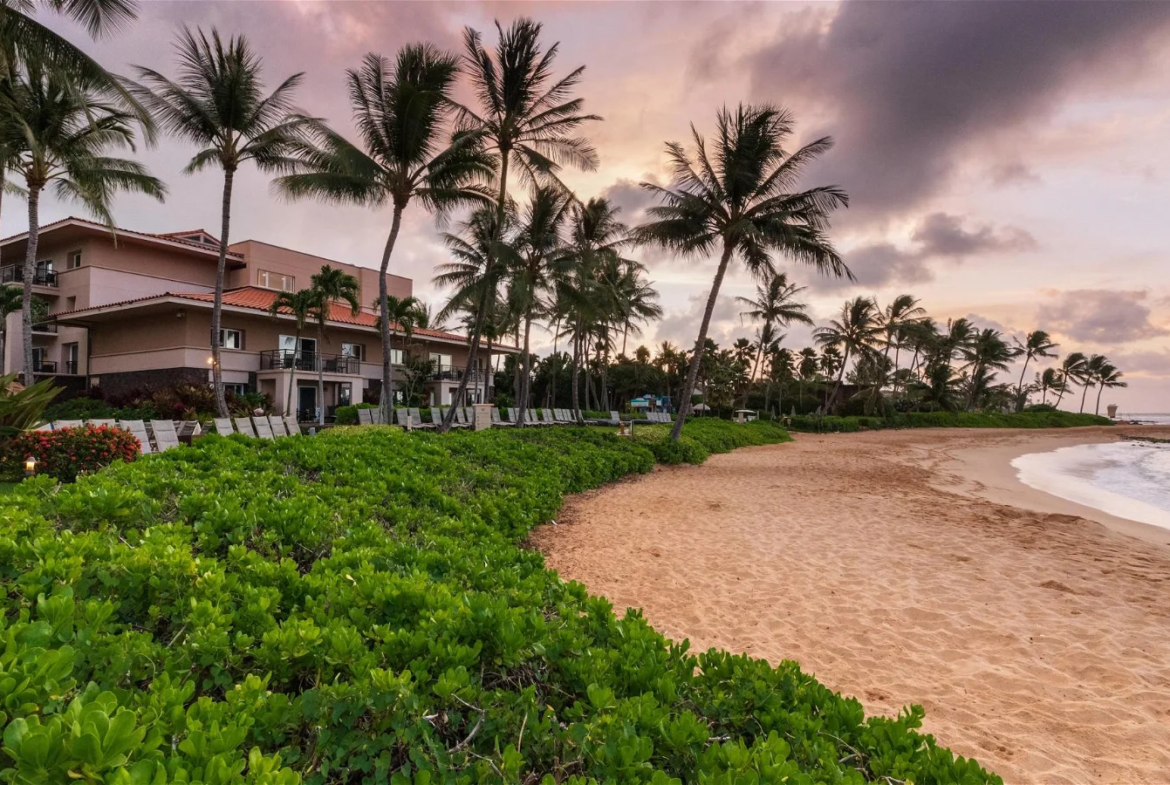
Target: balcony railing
[
  {"x": 70, "y": 367},
  {"x": 44, "y": 366},
  {"x": 454, "y": 373},
  {"x": 45, "y": 327},
  {"x": 15, "y": 274},
  {"x": 276, "y": 360}
]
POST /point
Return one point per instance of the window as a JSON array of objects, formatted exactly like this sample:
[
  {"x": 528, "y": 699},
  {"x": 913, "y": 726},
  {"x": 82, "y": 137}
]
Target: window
[
  {"x": 74, "y": 260},
  {"x": 231, "y": 339},
  {"x": 70, "y": 352},
  {"x": 278, "y": 281},
  {"x": 441, "y": 361},
  {"x": 235, "y": 388},
  {"x": 354, "y": 350},
  {"x": 345, "y": 395},
  {"x": 45, "y": 266},
  {"x": 396, "y": 357}
]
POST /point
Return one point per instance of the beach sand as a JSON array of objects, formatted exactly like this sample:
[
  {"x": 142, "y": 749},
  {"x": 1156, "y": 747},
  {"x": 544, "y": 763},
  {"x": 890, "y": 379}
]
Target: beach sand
[{"x": 907, "y": 567}]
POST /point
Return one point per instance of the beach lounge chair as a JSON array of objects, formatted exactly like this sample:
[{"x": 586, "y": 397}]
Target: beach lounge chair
[
  {"x": 67, "y": 424},
  {"x": 223, "y": 426},
  {"x": 561, "y": 416},
  {"x": 137, "y": 429},
  {"x": 366, "y": 416},
  {"x": 498, "y": 421},
  {"x": 102, "y": 423},
  {"x": 291, "y": 425},
  {"x": 244, "y": 426},
  {"x": 402, "y": 417},
  {"x": 615, "y": 419},
  {"x": 433, "y": 419},
  {"x": 48, "y": 426},
  {"x": 379, "y": 418},
  {"x": 165, "y": 435},
  {"x": 278, "y": 429},
  {"x": 546, "y": 417},
  {"x": 513, "y": 416},
  {"x": 263, "y": 429},
  {"x": 468, "y": 413},
  {"x": 533, "y": 417},
  {"x": 416, "y": 420},
  {"x": 458, "y": 418}
]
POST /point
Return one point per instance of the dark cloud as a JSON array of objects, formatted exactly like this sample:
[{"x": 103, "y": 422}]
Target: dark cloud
[
  {"x": 1100, "y": 316},
  {"x": 631, "y": 198},
  {"x": 1012, "y": 173},
  {"x": 877, "y": 265},
  {"x": 911, "y": 85},
  {"x": 941, "y": 234},
  {"x": 682, "y": 327},
  {"x": 1151, "y": 363}
]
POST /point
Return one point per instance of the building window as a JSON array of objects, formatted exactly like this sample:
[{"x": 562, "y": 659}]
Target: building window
[
  {"x": 396, "y": 357},
  {"x": 345, "y": 395},
  {"x": 441, "y": 361},
  {"x": 235, "y": 389},
  {"x": 231, "y": 339},
  {"x": 278, "y": 281},
  {"x": 74, "y": 260},
  {"x": 70, "y": 353},
  {"x": 354, "y": 350}
]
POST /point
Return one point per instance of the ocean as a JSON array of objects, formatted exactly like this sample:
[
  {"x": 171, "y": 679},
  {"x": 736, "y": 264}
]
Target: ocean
[
  {"x": 1128, "y": 479},
  {"x": 1144, "y": 419}
]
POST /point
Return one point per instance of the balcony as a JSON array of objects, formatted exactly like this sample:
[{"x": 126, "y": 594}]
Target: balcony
[
  {"x": 15, "y": 274},
  {"x": 276, "y": 360},
  {"x": 45, "y": 328},
  {"x": 44, "y": 366},
  {"x": 454, "y": 373}
]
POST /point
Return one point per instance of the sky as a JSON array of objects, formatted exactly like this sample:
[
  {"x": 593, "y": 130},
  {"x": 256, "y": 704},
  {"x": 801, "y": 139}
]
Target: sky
[{"x": 1006, "y": 161}]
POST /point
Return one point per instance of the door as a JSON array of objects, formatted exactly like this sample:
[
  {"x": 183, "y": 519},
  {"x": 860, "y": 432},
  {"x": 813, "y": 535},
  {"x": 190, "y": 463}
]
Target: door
[
  {"x": 307, "y": 402},
  {"x": 303, "y": 354}
]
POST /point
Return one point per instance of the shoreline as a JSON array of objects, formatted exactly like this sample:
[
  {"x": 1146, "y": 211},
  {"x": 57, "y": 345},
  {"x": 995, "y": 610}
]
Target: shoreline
[{"x": 908, "y": 567}]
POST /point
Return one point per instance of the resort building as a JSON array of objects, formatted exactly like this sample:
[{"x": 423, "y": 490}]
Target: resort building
[{"x": 133, "y": 311}]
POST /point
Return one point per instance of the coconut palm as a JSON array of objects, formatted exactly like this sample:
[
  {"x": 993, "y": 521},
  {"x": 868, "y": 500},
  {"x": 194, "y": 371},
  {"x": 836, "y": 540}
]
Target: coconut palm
[
  {"x": 636, "y": 300},
  {"x": 1105, "y": 374},
  {"x": 330, "y": 285},
  {"x": 409, "y": 153},
  {"x": 302, "y": 305},
  {"x": 1095, "y": 367},
  {"x": 855, "y": 333},
  {"x": 1073, "y": 369},
  {"x": 527, "y": 119},
  {"x": 217, "y": 103},
  {"x": 775, "y": 304},
  {"x": 986, "y": 353},
  {"x": 902, "y": 312},
  {"x": 1050, "y": 379},
  {"x": 66, "y": 131},
  {"x": 1037, "y": 343},
  {"x": 735, "y": 201}
]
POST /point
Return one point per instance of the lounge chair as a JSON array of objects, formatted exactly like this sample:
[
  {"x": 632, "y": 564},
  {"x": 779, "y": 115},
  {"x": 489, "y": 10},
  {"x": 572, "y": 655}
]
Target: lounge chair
[
  {"x": 513, "y": 417},
  {"x": 165, "y": 435},
  {"x": 102, "y": 423},
  {"x": 379, "y": 418},
  {"x": 263, "y": 429},
  {"x": 498, "y": 421},
  {"x": 402, "y": 418},
  {"x": 277, "y": 424},
  {"x": 435, "y": 415},
  {"x": 48, "y": 426},
  {"x": 137, "y": 429},
  {"x": 546, "y": 417},
  {"x": 562, "y": 416},
  {"x": 223, "y": 426},
  {"x": 291, "y": 425},
  {"x": 366, "y": 416},
  {"x": 614, "y": 418},
  {"x": 468, "y": 413},
  {"x": 416, "y": 420},
  {"x": 244, "y": 426},
  {"x": 67, "y": 424}
]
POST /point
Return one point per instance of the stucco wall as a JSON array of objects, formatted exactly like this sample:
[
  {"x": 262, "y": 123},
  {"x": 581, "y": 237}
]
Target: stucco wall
[{"x": 262, "y": 256}]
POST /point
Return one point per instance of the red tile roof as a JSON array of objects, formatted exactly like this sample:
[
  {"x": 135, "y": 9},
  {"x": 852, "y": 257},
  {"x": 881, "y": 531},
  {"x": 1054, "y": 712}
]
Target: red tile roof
[{"x": 170, "y": 238}]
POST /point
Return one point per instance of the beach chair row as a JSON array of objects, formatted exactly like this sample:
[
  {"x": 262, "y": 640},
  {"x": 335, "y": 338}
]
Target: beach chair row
[
  {"x": 464, "y": 417},
  {"x": 160, "y": 436},
  {"x": 259, "y": 427}
]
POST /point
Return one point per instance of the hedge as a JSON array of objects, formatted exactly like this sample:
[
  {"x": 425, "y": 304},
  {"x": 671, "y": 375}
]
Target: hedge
[
  {"x": 358, "y": 607},
  {"x": 1041, "y": 419},
  {"x": 67, "y": 452}
]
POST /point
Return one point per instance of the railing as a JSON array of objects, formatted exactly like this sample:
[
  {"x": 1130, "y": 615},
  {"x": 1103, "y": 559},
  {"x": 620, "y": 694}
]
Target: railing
[
  {"x": 70, "y": 367},
  {"x": 276, "y": 360},
  {"x": 44, "y": 366},
  {"x": 15, "y": 274},
  {"x": 454, "y": 373},
  {"x": 45, "y": 327}
]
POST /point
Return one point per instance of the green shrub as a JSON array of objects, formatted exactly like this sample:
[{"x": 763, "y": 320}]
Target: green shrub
[
  {"x": 348, "y": 415},
  {"x": 358, "y": 607},
  {"x": 1027, "y": 419},
  {"x": 67, "y": 452},
  {"x": 685, "y": 450}
]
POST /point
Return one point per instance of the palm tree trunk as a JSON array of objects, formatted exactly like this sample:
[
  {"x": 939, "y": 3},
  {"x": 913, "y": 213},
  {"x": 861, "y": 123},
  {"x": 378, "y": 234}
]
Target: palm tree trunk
[
  {"x": 1060, "y": 394},
  {"x": 487, "y": 369},
  {"x": 1021, "y": 398},
  {"x": 292, "y": 374},
  {"x": 320, "y": 376},
  {"x": 575, "y": 393},
  {"x": 30, "y": 269},
  {"x": 217, "y": 307},
  {"x": 837, "y": 386},
  {"x": 1097, "y": 408},
  {"x": 555, "y": 363},
  {"x": 693, "y": 372},
  {"x": 526, "y": 374},
  {"x": 477, "y": 330},
  {"x": 1085, "y": 392},
  {"x": 387, "y": 402}
]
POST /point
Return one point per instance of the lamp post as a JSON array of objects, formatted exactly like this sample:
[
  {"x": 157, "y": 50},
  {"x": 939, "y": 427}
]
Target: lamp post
[{"x": 30, "y": 466}]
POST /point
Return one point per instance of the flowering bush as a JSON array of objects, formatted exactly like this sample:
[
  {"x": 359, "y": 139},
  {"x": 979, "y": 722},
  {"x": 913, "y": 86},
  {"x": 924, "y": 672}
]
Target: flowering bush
[{"x": 68, "y": 452}]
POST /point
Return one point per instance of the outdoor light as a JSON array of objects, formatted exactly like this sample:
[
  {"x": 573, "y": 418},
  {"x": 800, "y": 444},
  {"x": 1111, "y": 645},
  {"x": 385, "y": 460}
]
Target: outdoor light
[
  {"x": 30, "y": 466},
  {"x": 211, "y": 361}
]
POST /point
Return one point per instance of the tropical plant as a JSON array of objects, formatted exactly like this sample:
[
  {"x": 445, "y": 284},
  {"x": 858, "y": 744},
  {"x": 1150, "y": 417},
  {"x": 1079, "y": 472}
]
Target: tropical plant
[
  {"x": 736, "y": 201},
  {"x": 775, "y": 304},
  {"x": 303, "y": 305},
  {"x": 855, "y": 333},
  {"x": 217, "y": 103},
  {"x": 330, "y": 285},
  {"x": 527, "y": 120},
  {"x": 410, "y": 152},
  {"x": 1073, "y": 369},
  {"x": 21, "y": 409},
  {"x": 1105, "y": 374},
  {"x": 66, "y": 130},
  {"x": 986, "y": 353},
  {"x": 1037, "y": 343},
  {"x": 1050, "y": 379}
]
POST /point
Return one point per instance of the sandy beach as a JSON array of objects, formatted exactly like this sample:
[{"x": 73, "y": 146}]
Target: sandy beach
[{"x": 909, "y": 567}]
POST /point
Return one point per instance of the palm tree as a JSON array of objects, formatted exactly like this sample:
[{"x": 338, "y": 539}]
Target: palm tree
[
  {"x": 527, "y": 119},
  {"x": 635, "y": 299},
  {"x": 1096, "y": 367},
  {"x": 1073, "y": 370},
  {"x": 1036, "y": 344},
  {"x": 330, "y": 285},
  {"x": 402, "y": 111},
  {"x": 855, "y": 333},
  {"x": 1106, "y": 375},
  {"x": 987, "y": 352},
  {"x": 775, "y": 304},
  {"x": 737, "y": 201},
  {"x": 66, "y": 131},
  {"x": 302, "y": 305},
  {"x": 902, "y": 312},
  {"x": 539, "y": 257},
  {"x": 1050, "y": 379},
  {"x": 218, "y": 103}
]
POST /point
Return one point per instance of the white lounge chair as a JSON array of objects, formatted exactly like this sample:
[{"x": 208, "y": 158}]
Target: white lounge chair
[
  {"x": 416, "y": 420},
  {"x": 497, "y": 421},
  {"x": 366, "y": 416},
  {"x": 165, "y": 435},
  {"x": 103, "y": 423},
  {"x": 67, "y": 424},
  {"x": 263, "y": 428},
  {"x": 223, "y": 426},
  {"x": 137, "y": 429},
  {"x": 278, "y": 428},
  {"x": 244, "y": 426},
  {"x": 291, "y": 425},
  {"x": 402, "y": 418}
]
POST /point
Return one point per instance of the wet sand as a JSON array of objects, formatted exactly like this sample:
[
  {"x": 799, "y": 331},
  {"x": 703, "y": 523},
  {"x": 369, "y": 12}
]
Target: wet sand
[{"x": 909, "y": 567}]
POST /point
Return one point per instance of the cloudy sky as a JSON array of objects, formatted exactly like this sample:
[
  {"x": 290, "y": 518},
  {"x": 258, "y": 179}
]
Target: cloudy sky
[{"x": 1007, "y": 161}]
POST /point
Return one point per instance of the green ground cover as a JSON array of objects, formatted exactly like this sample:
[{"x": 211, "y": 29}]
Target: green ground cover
[
  {"x": 1053, "y": 419},
  {"x": 359, "y": 607}
]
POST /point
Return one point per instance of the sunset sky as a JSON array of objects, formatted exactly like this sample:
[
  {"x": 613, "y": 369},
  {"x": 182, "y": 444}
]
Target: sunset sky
[{"x": 1006, "y": 162}]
